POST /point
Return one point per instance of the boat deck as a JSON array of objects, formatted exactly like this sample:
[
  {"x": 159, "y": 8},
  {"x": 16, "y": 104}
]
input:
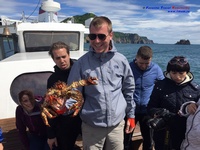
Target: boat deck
[{"x": 12, "y": 142}]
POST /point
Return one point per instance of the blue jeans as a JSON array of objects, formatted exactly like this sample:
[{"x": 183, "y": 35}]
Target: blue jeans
[{"x": 38, "y": 142}]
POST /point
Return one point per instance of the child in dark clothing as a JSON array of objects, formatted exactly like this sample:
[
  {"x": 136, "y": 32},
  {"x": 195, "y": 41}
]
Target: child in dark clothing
[{"x": 28, "y": 116}]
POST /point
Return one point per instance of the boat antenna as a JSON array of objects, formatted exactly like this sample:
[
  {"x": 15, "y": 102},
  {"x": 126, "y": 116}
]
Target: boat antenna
[{"x": 23, "y": 17}]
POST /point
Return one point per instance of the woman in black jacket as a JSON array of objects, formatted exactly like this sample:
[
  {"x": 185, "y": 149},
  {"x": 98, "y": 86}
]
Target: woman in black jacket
[{"x": 166, "y": 99}]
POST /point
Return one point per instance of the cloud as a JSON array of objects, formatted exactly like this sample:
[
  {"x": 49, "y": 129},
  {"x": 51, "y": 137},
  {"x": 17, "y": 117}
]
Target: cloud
[
  {"x": 173, "y": 2},
  {"x": 194, "y": 15},
  {"x": 158, "y": 25},
  {"x": 127, "y": 16}
]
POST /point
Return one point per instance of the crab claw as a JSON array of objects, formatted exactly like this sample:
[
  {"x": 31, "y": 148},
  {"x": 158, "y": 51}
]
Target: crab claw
[{"x": 92, "y": 80}]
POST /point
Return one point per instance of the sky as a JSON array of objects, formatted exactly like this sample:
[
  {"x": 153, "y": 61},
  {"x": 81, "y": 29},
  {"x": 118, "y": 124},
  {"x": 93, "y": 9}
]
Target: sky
[{"x": 163, "y": 21}]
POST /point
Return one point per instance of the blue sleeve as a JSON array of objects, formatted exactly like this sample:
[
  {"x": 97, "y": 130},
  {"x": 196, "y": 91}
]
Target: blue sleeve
[
  {"x": 1, "y": 136},
  {"x": 75, "y": 74},
  {"x": 160, "y": 74},
  {"x": 128, "y": 88}
]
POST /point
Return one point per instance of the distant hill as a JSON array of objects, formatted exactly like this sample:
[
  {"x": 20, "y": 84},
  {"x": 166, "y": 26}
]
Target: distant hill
[
  {"x": 119, "y": 37},
  {"x": 80, "y": 18}
]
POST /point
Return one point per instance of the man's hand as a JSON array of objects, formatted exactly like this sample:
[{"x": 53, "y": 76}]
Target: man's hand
[
  {"x": 1, "y": 146},
  {"x": 52, "y": 142},
  {"x": 191, "y": 108},
  {"x": 130, "y": 125}
]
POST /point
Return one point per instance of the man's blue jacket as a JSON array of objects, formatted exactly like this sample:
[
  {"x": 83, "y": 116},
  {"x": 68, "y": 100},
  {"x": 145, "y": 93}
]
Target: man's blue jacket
[{"x": 144, "y": 83}]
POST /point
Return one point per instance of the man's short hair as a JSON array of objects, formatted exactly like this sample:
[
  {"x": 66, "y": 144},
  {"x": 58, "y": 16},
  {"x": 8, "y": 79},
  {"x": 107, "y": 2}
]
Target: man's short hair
[
  {"x": 145, "y": 52},
  {"x": 58, "y": 45},
  {"x": 99, "y": 20}
]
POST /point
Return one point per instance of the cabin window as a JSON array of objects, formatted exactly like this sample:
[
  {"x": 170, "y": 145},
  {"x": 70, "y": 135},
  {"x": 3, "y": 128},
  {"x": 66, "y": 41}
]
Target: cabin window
[
  {"x": 8, "y": 45},
  {"x": 41, "y": 41},
  {"x": 36, "y": 82}
]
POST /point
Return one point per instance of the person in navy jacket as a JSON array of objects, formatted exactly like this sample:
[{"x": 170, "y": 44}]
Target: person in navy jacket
[{"x": 169, "y": 94}]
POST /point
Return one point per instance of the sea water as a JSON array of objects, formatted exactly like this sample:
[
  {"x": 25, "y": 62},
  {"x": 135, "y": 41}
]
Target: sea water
[{"x": 162, "y": 53}]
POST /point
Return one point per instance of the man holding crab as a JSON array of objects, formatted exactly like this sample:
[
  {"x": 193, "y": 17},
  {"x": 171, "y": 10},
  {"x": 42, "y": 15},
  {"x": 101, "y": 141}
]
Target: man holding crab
[
  {"x": 107, "y": 103},
  {"x": 64, "y": 129}
]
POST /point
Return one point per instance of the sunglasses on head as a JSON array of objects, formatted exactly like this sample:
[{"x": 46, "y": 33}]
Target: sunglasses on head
[
  {"x": 101, "y": 37},
  {"x": 178, "y": 60}
]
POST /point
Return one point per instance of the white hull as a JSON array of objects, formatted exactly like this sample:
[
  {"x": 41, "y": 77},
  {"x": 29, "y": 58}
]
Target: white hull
[{"x": 13, "y": 69}]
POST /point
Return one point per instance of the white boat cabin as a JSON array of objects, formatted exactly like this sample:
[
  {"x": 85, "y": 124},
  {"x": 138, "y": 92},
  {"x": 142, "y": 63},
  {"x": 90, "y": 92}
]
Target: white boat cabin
[{"x": 24, "y": 59}]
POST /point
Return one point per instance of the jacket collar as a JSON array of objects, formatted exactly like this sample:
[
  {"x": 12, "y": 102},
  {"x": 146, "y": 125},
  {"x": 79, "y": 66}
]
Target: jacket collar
[
  {"x": 102, "y": 56},
  {"x": 189, "y": 77}
]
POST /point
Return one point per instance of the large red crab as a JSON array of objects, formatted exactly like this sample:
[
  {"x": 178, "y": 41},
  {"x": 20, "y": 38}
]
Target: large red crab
[{"x": 55, "y": 98}]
